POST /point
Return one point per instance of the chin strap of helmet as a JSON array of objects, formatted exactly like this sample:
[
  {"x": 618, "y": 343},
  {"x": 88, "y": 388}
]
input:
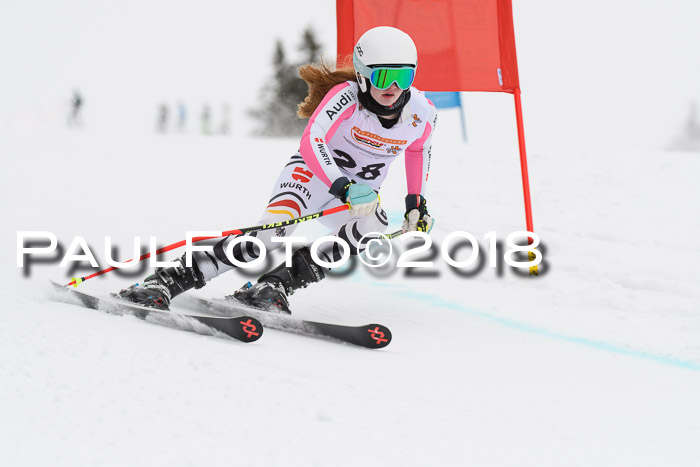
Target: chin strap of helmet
[{"x": 368, "y": 102}]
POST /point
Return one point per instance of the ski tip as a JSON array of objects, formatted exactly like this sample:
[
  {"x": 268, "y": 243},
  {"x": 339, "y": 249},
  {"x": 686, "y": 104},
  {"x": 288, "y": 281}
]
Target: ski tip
[
  {"x": 380, "y": 336},
  {"x": 250, "y": 328}
]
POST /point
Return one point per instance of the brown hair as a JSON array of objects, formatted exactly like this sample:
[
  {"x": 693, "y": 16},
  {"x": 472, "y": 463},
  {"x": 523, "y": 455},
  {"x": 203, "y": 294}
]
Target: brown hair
[{"x": 320, "y": 78}]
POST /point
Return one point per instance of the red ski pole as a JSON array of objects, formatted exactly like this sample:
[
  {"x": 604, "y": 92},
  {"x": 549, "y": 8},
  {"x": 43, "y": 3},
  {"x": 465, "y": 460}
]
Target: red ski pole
[{"x": 343, "y": 207}]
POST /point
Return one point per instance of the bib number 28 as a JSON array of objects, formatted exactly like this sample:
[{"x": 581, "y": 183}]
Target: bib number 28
[{"x": 368, "y": 172}]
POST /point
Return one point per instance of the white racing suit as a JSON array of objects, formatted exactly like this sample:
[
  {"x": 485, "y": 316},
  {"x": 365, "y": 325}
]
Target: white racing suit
[{"x": 342, "y": 139}]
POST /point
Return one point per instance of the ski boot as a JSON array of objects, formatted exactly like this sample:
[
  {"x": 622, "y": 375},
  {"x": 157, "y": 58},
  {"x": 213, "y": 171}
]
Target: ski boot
[
  {"x": 158, "y": 289},
  {"x": 273, "y": 288}
]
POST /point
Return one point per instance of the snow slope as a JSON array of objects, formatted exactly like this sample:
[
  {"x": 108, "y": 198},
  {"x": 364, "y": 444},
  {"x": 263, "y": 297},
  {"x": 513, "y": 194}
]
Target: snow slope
[{"x": 595, "y": 362}]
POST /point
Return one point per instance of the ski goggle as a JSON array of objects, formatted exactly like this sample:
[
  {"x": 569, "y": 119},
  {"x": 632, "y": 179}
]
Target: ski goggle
[{"x": 382, "y": 77}]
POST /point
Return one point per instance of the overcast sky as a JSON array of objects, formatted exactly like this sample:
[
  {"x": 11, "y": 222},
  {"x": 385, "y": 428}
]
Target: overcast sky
[{"x": 592, "y": 73}]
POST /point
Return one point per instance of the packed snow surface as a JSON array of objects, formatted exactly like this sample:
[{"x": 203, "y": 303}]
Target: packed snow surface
[{"x": 594, "y": 362}]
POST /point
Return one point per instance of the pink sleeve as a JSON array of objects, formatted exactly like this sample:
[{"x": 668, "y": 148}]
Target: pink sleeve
[
  {"x": 417, "y": 157},
  {"x": 338, "y": 105}
]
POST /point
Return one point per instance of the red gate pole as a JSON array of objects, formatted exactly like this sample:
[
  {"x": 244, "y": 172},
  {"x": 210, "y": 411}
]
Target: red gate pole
[{"x": 523, "y": 169}]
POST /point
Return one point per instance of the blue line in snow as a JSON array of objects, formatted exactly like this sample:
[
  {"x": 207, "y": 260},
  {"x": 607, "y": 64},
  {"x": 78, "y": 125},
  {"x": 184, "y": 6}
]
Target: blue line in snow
[{"x": 592, "y": 343}]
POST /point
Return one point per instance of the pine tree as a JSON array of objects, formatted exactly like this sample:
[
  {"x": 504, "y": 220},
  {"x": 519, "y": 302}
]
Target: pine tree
[
  {"x": 310, "y": 46},
  {"x": 277, "y": 114}
]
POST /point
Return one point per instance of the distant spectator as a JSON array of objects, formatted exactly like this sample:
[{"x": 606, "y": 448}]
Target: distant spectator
[
  {"x": 206, "y": 120},
  {"x": 181, "y": 117},
  {"x": 225, "y": 128},
  {"x": 162, "y": 123},
  {"x": 74, "y": 117}
]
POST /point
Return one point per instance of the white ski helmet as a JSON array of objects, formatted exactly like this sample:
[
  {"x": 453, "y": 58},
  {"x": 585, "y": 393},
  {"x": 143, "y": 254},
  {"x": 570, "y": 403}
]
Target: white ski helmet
[{"x": 383, "y": 46}]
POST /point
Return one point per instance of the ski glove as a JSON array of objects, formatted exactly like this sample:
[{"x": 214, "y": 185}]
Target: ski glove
[
  {"x": 417, "y": 217},
  {"x": 361, "y": 198}
]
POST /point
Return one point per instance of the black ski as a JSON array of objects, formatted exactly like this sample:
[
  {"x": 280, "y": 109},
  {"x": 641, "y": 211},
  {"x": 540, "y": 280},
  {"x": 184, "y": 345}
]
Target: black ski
[
  {"x": 371, "y": 336},
  {"x": 238, "y": 326}
]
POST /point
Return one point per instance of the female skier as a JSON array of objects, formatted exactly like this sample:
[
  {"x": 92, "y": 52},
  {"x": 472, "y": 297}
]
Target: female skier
[{"x": 360, "y": 120}]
